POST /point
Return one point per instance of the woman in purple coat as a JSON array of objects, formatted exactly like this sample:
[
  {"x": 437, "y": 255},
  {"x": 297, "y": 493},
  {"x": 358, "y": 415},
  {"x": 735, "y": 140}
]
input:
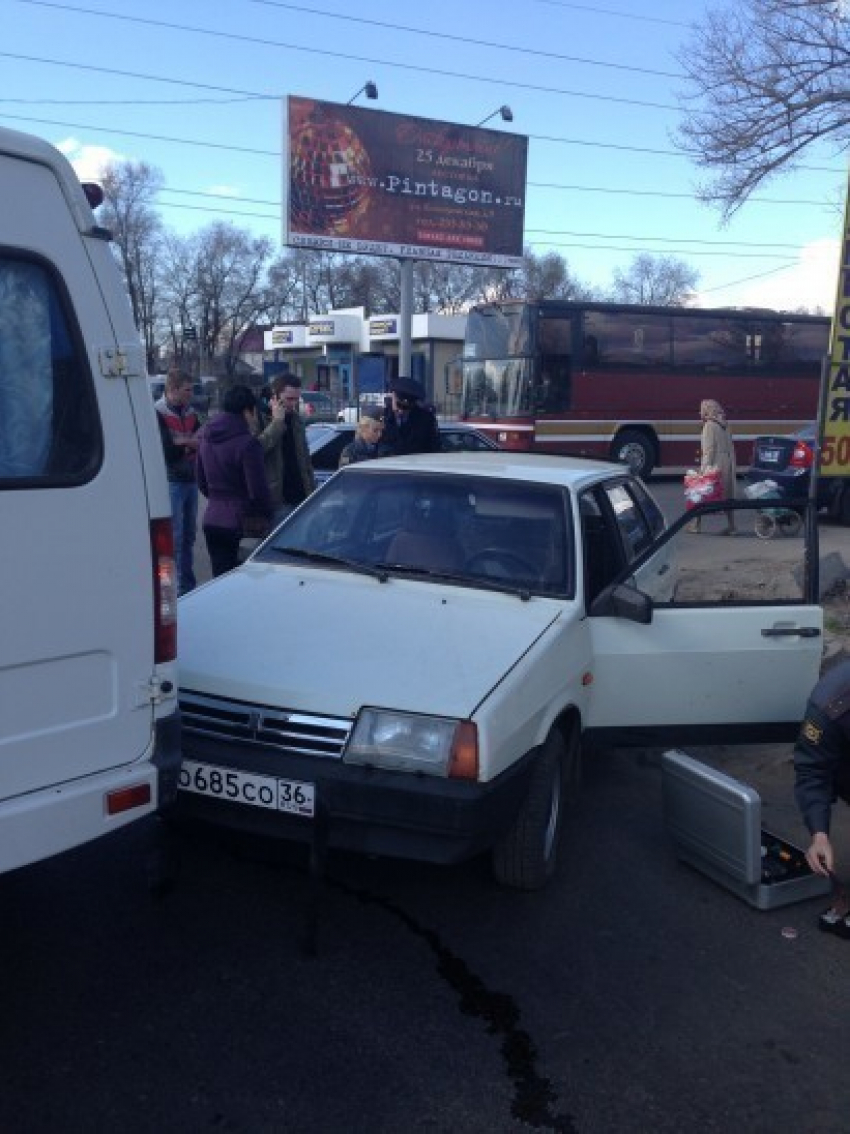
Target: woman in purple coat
[{"x": 232, "y": 476}]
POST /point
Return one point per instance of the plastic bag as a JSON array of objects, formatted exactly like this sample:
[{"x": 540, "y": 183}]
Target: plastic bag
[{"x": 703, "y": 487}]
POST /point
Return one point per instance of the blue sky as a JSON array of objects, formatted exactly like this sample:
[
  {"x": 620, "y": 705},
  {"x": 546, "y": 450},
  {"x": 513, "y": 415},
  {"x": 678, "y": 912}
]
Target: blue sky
[{"x": 171, "y": 83}]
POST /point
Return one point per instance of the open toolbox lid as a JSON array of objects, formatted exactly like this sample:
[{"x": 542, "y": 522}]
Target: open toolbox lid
[{"x": 712, "y": 815}]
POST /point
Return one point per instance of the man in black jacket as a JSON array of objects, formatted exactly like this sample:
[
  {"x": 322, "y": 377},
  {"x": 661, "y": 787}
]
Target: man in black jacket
[
  {"x": 409, "y": 426},
  {"x": 822, "y": 769}
]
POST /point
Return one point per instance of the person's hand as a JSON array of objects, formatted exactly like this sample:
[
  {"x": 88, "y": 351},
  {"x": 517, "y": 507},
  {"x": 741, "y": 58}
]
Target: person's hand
[
  {"x": 278, "y": 408},
  {"x": 819, "y": 856},
  {"x": 191, "y": 442}
]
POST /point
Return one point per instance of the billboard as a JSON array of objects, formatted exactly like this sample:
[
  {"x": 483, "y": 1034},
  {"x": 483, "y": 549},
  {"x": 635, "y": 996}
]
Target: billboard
[
  {"x": 379, "y": 184},
  {"x": 835, "y": 427}
]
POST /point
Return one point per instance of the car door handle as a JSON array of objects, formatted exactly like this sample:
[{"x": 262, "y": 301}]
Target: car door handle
[{"x": 791, "y": 631}]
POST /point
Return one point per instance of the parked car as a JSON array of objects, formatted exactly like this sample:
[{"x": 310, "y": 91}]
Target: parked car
[
  {"x": 788, "y": 462},
  {"x": 317, "y": 405},
  {"x": 411, "y": 662},
  {"x": 327, "y": 441}
]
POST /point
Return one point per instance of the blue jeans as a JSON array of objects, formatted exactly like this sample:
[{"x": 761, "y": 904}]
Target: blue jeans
[{"x": 184, "y": 520}]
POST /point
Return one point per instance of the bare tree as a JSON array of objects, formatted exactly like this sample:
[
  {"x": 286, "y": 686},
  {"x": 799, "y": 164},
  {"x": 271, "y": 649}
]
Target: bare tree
[
  {"x": 230, "y": 289},
  {"x": 767, "y": 79},
  {"x": 662, "y": 281},
  {"x": 178, "y": 290},
  {"x": 549, "y": 277},
  {"x": 129, "y": 190}
]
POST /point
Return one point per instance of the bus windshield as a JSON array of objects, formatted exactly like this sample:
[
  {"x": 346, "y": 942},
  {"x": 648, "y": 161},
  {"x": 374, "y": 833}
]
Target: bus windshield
[
  {"x": 497, "y": 387},
  {"x": 497, "y": 363}
]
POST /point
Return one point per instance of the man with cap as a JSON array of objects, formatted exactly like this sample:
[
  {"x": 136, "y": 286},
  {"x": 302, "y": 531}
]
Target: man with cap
[
  {"x": 409, "y": 426},
  {"x": 367, "y": 443}
]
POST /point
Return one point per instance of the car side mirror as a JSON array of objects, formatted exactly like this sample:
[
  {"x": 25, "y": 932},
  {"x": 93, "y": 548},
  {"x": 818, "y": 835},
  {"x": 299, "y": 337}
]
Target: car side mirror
[{"x": 622, "y": 601}]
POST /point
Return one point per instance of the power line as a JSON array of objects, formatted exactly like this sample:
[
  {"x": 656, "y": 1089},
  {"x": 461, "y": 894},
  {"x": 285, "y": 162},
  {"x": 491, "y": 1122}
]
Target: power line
[
  {"x": 627, "y": 236},
  {"x": 655, "y": 193},
  {"x": 131, "y": 101},
  {"x": 542, "y": 231},
  {"x": 746, "y": 279},
  {"x": 490, "y": 79},
  {"x": 664, "y": 251},
  {"x": 534, "y": 243},
  {"x": 461, "y": 39},
  {"x": 139, "y": 134},
  {"x": 103, "y": 102},
  {"x": 129, "y": 74},
  {"x": 610, "y": 12},
  {"x": 647, "y": 150},
  {"x": 276, "y": 154}
]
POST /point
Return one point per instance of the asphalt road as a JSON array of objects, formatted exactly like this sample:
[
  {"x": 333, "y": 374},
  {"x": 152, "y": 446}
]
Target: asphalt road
[{"x": 633, "y": 994}]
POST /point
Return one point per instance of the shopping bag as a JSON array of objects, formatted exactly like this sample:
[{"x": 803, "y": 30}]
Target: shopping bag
[{"x": 703, "y": 487}]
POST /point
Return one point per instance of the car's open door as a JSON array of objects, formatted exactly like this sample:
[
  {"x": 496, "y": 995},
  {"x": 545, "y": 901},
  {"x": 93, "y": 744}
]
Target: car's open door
[{"x": 730, "y": 654}]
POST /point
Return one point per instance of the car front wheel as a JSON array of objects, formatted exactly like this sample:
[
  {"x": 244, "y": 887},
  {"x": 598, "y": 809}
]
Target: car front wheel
[{"x": 525, "y": 856}]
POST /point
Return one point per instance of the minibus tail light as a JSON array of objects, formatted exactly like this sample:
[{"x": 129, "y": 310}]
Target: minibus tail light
[{"x": 164, "y": 591}]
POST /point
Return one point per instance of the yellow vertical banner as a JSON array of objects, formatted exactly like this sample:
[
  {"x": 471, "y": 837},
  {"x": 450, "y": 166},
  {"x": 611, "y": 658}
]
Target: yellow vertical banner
[{"x": 835, "y": 424}]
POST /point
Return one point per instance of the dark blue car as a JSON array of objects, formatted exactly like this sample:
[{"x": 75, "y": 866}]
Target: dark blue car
[{"x": 788, "y": 462}]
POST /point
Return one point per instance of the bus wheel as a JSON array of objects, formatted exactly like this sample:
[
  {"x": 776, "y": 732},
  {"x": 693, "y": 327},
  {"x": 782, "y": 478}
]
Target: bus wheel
[{"x": 635, "y": 449}]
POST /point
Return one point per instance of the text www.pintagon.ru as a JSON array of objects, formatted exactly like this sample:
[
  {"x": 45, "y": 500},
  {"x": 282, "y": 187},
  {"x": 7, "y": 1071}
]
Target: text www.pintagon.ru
[{"x": 404, "y": 186}]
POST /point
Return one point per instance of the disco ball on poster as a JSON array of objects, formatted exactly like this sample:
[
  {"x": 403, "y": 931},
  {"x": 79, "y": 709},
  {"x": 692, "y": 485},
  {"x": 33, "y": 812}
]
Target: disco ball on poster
[{"x": 329, "y": 175}]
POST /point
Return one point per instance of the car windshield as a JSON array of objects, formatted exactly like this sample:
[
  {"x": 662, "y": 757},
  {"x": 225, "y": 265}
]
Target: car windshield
[{"x": 468, "y": 530}]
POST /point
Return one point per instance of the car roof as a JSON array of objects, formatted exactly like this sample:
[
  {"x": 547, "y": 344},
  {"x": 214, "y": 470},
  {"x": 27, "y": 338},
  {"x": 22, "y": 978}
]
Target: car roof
[
  {"x": 539, "y": 468},
  {"x": 348, "y": 426}
]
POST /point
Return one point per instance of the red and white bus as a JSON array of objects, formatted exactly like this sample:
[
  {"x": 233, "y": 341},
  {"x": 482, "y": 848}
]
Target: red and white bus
[{"x": 626, "y": 382}]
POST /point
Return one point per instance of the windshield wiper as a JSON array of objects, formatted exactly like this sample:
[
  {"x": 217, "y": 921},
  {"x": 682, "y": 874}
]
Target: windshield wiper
[
  {"x": 465, "y": 580},
  {"x": 334, "y": 560}
]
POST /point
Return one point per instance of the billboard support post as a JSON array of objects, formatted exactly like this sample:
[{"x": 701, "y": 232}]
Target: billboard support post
[{"x": 405, "y": 331}]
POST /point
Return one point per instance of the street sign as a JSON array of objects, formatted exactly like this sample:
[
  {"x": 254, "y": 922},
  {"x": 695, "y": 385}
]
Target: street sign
[{"x": 835, "y": 410}]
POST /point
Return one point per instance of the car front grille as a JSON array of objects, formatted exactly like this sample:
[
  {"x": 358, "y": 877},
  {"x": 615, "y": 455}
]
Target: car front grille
[{"x": 301, "y": 734}]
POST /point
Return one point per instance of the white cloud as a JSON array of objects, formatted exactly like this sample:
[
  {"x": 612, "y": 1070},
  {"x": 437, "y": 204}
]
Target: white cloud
[
  {"x": 88, "y": 161},
  {"x": 810, "y": 283}
]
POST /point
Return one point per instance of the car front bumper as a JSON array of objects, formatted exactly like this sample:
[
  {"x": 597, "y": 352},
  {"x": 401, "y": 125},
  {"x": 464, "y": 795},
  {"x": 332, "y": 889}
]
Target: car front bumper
[{"x": 370, "y": 811}]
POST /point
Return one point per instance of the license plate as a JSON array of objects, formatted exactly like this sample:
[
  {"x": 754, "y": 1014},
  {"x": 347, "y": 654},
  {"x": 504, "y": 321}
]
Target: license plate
[
  {"x": 295, "y": 797},
  {"x": 770, "y": 455}
]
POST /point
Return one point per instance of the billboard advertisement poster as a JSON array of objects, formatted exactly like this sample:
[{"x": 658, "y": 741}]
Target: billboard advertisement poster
[
  {"x": 373, "y": 183},
  {"x": 835, "y": 428}
]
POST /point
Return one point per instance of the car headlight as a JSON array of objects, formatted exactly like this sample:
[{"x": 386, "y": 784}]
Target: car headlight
[{"x": 408, "y": 742}]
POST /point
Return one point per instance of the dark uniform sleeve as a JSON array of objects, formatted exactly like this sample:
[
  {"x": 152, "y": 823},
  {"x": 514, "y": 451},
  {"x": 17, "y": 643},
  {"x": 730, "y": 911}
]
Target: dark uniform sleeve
[
  {"x": 817, "y": 754},
  {"x": 822, "y": 751}
]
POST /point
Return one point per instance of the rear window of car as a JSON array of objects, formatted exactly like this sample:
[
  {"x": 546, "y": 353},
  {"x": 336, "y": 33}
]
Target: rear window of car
[{"x": 50, "y": 431}]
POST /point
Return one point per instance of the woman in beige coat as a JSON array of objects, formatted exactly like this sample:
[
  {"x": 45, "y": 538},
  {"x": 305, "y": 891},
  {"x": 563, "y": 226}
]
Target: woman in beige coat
[{"x": 717, "y": 450}]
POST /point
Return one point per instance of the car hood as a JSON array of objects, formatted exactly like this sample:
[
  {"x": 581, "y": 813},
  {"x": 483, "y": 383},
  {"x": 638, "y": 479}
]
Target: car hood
[{"x": 328, "y": 642}]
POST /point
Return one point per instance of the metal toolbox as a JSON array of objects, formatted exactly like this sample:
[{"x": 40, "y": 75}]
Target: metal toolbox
[{"x": 715, "y": 822}]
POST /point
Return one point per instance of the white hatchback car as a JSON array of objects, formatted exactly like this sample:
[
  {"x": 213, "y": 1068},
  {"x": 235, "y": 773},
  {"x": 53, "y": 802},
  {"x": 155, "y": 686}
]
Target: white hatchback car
[{"x": 410, "y": 663}]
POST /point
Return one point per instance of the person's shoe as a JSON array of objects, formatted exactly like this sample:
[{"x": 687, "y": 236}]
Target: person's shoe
[{"x": 835, "y": 921}]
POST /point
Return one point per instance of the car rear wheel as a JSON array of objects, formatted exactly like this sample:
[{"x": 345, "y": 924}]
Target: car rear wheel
[{"x": 524, "y": 858}]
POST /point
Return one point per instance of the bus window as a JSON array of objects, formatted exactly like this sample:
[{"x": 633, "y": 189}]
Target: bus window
[
  {"x": 626, "y": 339},
  {"x": 710, "y": 342},
  {"x": 496, "y": 331},
  {"x": 552, "y": 389},
  {"x": 785, "y": 346}
]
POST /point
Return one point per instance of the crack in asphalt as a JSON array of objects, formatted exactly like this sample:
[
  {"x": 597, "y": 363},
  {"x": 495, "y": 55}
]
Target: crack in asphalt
[{"x": 534, "y": 1098}]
